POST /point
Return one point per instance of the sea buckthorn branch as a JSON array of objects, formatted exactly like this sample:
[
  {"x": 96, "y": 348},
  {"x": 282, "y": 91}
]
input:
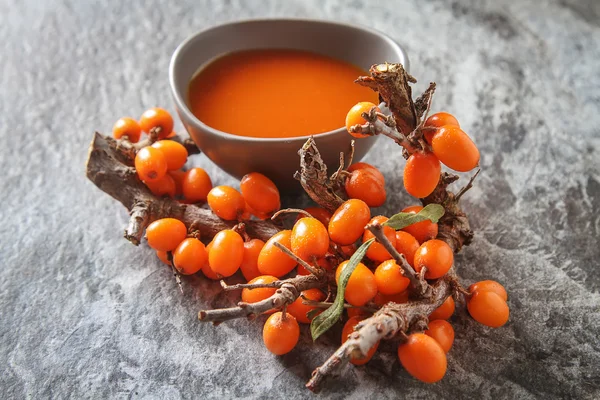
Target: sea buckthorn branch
[
  {"x": 391, "y": 320},
  {"x": 417, "y": 282},
  {"x": 111, "y": 171},
  {"x": 287, "y": 293},
  {"x": 391, "y": 81},
  {"x": 378, "y": 126},
  {"x": 315, "y": 271},
  {"x": 314, "y": 179},
  {"x": 239, "y": 286}
]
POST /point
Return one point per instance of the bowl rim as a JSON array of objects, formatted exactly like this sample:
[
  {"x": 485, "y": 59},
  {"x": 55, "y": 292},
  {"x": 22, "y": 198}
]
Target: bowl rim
[{"x": 182, "y": 106}]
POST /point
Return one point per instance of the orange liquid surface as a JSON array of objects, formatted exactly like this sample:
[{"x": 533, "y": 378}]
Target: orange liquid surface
[{"x": 276, "y": 93}]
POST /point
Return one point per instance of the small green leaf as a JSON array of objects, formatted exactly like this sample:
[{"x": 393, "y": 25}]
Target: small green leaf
[
  {"x": 313, "y": 313},
  {"x": 432, "y": 212},
  {"x": 322, "y": 322}
]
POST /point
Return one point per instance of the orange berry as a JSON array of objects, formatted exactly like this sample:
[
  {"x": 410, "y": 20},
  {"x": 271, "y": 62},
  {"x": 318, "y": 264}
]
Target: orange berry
[
  {"x": 346, "y": 331},
  {"x": 226, "y": 253},
  {"x": 175, "y": 153},
  {"x": 438, "y": 120},
  {"x": 489, "y": 286},
  {"x": 260, "y": 193},
  {"x": 157, "y": 118},
  {"x": 127, "y": 127},
  {"x": 226, "y": 202},
  {"x": 189, "y": 256},
  {"x": 444, "y": 311},
  {"x": 348, "y": 222},
  {"x": 377, "y": 251},
  {"x": 209, "y": 273},
  {"x": 422, "y": 231},
  {"x": 361, "y": 286},
  {"x": 390, "y": 279},
  {"x": 309, "y": 239},
  {"x": 423, "y": 358},
  {"x": 162, "y": 255},
  {"x": 442, "y": 332},
  {"x": 271, "y": 260},
  {"x": 299, "y": 310},
  {"x": 382, "y": 299},
  {"x": 259, "y": 294},
  {"x": 178, "y": 176},
  {"x": 436, "y": 256},
  {"x": 357, "y": 312},
  {"x": 196, "y": 185},
  {"x": 165, "y": 234},
  {"x": 319, "y": 213},
  {"x": 365, "y": 185},
  {"x": 455, "y": 148},
  {"x": 249, "y": 266},
  {"x": 421, "y": 174},
  {"x": 407, "y": 245},
  {"x": 354, "y": 117},
  {"x": 150, "y": 164},
  {"x": 281, "y": 335},
  {"x": 373, "y": 169},
  {"x": 164, "y": 186},
  {"x": 488, "y": 308},
  {"x": 349, "y": 250},
  {"x": 321, "y": 262}
]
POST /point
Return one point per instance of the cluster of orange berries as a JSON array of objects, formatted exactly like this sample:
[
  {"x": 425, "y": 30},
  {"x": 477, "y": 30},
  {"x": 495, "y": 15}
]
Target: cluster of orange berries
[
  {"x": 448, "y": 144},
  {"x": 375, "y": 281}
]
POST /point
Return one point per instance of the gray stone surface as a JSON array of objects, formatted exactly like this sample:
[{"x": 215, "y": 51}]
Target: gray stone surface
[{"x": 85, "y": 314}]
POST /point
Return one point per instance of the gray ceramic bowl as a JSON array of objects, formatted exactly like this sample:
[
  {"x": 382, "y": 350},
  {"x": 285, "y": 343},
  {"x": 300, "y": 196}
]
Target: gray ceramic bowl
[{"x": 276, "y": 158}]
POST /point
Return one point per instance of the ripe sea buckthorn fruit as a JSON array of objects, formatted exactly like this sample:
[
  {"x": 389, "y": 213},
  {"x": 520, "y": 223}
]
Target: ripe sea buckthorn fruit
[
  {"x": 226, "y": 202},
  {"x": 249, "y": 266},
  {"x": 364, "y": 184},
  {"x": 489, "y": 286},
  {"x": 442, "y": 332},
  {"x": 165, "y": 234},
  {"x": 271, "y": 260},
  {"x": 347, "y": 330},
  {"x": 281, "y": 335},
  {"x": 390, "y": 279},
  {"x": 377, "y": 251},
  {"x": 260, "y": 193},
  {"x": 488, "y": 308},
  {"x": 348, "y": 222},
  {"x": 436, "y": 256},
  {"x": 361, "y": 286},
  {"x": 164, "y": 186},
  {"x": 175, "y": 154},
  {"x": 421, "y": 174},
  {"x": 259, "y": 294},
  {"x": 455, "y": 148},
  {"x": 444, "y": 311},
  {"x": 438, "y": 120},
  {"x": 309, "y": 239},
  {"x": 127, "y": 127},
  {"x": 407, "y": 245},
  {"x": 299, "y": 310},
  {"x": 150, "y": 164},
  {"x": 354, "y": 116},
  {"x": 226, "y": 253},
  {"x": 196, "y": 185},
  {"x": 189, "y": 256},
  {"x": 423, "y": 358},
  {"x": 157, "y": 118},
  {"x": 373, "y": 169},
  {"x": 319, "y": 213},
  {"x": 422, "y": 231}
]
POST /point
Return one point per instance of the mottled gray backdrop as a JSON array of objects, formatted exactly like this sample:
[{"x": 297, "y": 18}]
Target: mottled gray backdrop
[{"x": 83, "y": 313}]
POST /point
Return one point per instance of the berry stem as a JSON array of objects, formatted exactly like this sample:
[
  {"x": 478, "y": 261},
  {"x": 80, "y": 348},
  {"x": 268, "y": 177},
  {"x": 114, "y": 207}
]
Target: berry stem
[
  {"x": 287, "y": 293},
  {"x": 417, "y": 282},
  {"x": 307, "y": 266}
]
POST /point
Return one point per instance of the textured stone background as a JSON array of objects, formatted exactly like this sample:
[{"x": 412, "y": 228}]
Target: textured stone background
[{"x": 85, "y": 314}]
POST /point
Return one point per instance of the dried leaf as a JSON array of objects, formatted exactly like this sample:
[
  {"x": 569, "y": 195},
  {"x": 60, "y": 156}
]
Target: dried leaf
[
  {"x": 322, "y": 322},
  {"x": 432, "y": 212}
]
